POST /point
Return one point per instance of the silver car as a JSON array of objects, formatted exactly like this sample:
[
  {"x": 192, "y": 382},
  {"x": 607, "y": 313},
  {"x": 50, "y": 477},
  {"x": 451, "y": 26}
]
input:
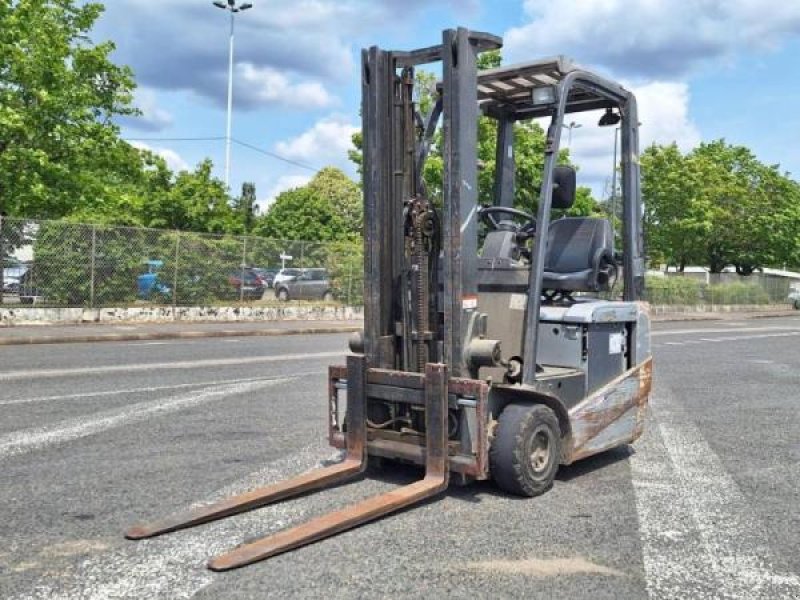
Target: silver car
[{"x": 308, "y": 284}]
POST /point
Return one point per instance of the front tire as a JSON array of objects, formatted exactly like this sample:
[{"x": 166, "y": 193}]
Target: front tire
[
  {"x": 283, "y": 295},
  {"x": 327, "y": 297},
  {"x": 797, "y": 304},
  {"x": 526, "y": 450}
]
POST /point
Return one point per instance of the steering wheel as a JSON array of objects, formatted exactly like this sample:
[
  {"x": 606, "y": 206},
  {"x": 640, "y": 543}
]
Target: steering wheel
[{"x": 487, "y": 215}]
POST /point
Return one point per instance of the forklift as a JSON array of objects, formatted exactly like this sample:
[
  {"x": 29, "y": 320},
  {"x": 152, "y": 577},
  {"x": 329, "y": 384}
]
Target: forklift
[{"x": 498, "y": 361}]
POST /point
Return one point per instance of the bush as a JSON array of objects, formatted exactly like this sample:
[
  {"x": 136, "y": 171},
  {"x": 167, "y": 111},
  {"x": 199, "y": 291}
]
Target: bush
[
  {"x": 737, "y": 293},
  {"x": 690, "y": 291},
  {"x": 673, "y": 290},
  {"x": 345, "y": 264}
]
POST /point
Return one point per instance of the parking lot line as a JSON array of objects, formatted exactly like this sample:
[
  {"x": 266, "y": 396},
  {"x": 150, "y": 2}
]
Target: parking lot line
[
  {"x": 173, "y": 566},
  {"x": 698, "y": 531},
  {"x": 184, "y": 364},
  {"x": 20, "y": 442},
  {"x": 141, "y": 390}
]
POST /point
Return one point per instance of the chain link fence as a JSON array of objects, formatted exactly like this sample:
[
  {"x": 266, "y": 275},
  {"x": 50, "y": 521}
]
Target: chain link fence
[
  {"x": 53, "y": 263},
  {"x": 727, "y": 289}
]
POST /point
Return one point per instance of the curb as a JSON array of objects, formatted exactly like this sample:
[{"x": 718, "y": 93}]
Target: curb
[
  {"x": 171, "y": 335},
  {"x": 720, "y": 316}
]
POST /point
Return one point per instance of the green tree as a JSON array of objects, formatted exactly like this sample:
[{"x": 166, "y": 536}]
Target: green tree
[
  {"x": 301, "y": 214},
  {"x": 327, "y": 208},
  {"x": 344, "y": 195},
  {"x": 718, "y": 205},
  {"x": 245, "y": 206},
  {"x": 59, "y": 93},
  {"x": 677, "y": 222}
]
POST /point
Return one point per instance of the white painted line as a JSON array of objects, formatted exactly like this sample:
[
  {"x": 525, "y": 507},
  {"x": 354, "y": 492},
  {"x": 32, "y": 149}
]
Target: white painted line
[
  {"x": 20, "y": 442},
  {"x": 734, "y": 338},
  {"x": 698, "y": 530},
  {"x": 184, "y": 364},
  {"x": 173, "y": 566},
  {"x": 140, "y": 390},
  {"x": 717, "y": 330}
]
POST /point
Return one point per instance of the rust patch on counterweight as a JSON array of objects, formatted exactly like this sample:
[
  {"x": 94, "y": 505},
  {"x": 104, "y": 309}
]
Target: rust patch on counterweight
[{"x": 613, "y": 415}]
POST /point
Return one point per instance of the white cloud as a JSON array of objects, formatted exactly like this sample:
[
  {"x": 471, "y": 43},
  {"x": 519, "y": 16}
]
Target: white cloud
[
  {"x": 325, "y": 143},
  {"x": 174, "y": 160},
  {"x": 664, "y": 117},
  {"x": 189, "y": 50},
  {"x": 653, "y": 38},
  {"x": 153, "y": 117},
  {"x": 266, "y": 85},
  {"x": 283, "y": 183}
]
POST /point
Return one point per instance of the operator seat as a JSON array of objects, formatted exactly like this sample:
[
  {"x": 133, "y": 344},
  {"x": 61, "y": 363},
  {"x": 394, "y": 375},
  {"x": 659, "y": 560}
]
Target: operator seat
[{"x": 579, "y": 255}]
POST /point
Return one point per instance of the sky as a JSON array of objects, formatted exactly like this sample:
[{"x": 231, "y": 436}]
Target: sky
[{"x": 701, "y": 70}]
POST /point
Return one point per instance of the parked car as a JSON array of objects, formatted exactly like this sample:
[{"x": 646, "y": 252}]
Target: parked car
[
  {"x": 794, "y": 297},
  {"x": 11, "y": 278},
  {"x": 253, "y": 286},
  {"x": 309, "y": 284},
  {"x": 267, "y": 275},
  {"x": 149, "y": 285},
  {"x": 285, "y": 275},
  {"x": 29, "y": 289}
]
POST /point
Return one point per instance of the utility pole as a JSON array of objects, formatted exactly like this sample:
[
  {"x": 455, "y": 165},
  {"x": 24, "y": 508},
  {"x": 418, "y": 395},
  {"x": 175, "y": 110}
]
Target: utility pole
[
  {"x": 570, "y": 127},
  {"x": 232, "y": 8}
]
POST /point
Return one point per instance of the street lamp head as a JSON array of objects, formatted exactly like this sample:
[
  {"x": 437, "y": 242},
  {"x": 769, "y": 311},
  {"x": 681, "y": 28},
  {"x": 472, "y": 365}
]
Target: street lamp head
[
  {"x": 220, "y": 5},
  {"x": 231, "y": 3},
  {"x": 246, "y": 5}
]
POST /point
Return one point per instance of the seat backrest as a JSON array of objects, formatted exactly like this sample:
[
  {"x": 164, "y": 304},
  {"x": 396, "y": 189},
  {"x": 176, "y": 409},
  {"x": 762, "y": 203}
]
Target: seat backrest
[{"x": 576, "y": 247}]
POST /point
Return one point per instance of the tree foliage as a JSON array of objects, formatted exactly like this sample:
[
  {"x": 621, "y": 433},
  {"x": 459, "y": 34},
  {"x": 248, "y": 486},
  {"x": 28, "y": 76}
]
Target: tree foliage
[
  {"x": 245, "y": 206},
  {"x": 328, "y": 208},
  {"x": 58, "y": 96},
  {"x": 718, "y": 206}
]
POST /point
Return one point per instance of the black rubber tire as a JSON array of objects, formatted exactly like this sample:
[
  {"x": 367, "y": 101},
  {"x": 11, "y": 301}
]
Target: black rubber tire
[
  {"x": 519, "y": 428},
  {"x": 327, "y": 297},
  {"x": 283, "y": 295},
  {"x": 797, "y": 304}
]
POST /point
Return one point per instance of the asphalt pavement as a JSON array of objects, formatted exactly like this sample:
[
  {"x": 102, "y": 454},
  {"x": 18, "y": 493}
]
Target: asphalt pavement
[{"x": 96, "y": 437}]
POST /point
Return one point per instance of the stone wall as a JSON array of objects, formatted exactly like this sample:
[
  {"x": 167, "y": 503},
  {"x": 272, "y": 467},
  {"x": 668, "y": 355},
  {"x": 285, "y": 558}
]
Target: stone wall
[{"x": 152, "y": 314}]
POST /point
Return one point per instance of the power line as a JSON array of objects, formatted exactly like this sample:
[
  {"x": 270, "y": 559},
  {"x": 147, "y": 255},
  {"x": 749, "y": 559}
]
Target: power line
[
  {"x": 221, "y": 138},
  {"x": 176, "y": 139},
  {"x": 273, "y": 155}
]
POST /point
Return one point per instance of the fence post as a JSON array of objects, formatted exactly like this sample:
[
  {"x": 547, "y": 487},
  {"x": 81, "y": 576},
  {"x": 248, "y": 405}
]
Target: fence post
[
  {"x": 302, "y": 253},
  {"x": 2, "y": 262},
  {"x": 244, "y": 261},
  {"x": 175, "y": 276},
  {"x": 92, "y": 266},
  {"x": 349, "y": 282}
]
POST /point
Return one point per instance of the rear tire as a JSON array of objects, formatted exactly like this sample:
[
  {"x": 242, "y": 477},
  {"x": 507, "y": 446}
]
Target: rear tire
[
  {"x": 797, "y": 304},
  {"x": 526, "y": 450},
  {"x": 283, "y": 295},
  {"x": 327, "y": 297}
]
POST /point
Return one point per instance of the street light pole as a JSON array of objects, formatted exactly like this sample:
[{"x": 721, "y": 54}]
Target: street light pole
[
  {"x": 230, "y": 109},
  {"x": 570, "y": 127},
  {"x": 232, "y": 8},
  {"x": 614, "y": 183}
]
